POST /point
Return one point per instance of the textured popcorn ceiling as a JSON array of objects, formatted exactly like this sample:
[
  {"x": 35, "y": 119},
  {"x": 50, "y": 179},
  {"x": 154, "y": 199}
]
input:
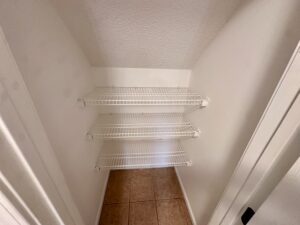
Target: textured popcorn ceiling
[{"x": 144, "y": 33}]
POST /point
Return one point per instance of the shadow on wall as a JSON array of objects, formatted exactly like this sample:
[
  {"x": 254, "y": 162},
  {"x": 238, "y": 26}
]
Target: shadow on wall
[
  {"x": 75, "y": 13},
  {"x": 240, "y": 78},
  {"x": 277, "y": 64}
]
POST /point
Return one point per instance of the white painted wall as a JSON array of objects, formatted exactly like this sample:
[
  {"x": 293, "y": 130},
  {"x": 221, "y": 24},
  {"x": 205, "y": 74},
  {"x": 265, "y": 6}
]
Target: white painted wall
[
  {"x": 140, "y": 77},
  {"x": 34, "y": 158},
  {"x": 238, "y": 71},
  {"x": 268, "y": 146},
  {"x": 56, "y": 74},
  {"x": 19, "y": 177}
]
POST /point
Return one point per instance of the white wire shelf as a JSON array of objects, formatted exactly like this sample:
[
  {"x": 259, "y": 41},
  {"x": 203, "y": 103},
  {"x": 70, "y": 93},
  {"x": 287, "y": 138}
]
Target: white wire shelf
[
  {"x": 143, "y": 96},
  {"x": 136, "y": 126},
  {"x": 140, "y": 118},
  {"x": 142, "y": 154}
]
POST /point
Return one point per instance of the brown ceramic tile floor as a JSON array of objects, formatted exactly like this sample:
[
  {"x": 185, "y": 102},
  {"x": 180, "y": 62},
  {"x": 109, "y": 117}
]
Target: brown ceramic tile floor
[{"x": 144, "y": 197}]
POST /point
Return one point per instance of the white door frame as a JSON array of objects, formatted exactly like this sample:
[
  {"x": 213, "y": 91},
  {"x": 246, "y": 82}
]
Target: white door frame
[
  {"x": 36, "y": 150},
  {"x": 285, "y": 196},
  {"x": 235, "y": 194},
  {"x": 9, "y": 214}
]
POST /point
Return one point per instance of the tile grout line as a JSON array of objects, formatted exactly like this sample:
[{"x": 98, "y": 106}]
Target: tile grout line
[
  {"x": 155, "y": 200},
  {"x": 128, "y": 213},
  {"x": 176, "y": 198},
  {"x": 130, "y": 177}
]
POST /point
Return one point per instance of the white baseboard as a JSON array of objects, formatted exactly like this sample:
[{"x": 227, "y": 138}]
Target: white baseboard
[
  {"x": 186, "y": 199},
  {"x": 102, "y": 194}
]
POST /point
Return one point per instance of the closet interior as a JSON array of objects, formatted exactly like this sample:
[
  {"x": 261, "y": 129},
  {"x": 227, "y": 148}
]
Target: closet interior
[
  {"x": 100, "y": 86},
  {"x": 143, "y": 139}
]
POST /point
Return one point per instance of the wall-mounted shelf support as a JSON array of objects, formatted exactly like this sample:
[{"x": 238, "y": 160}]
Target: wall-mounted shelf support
[
  {"x": 197, "y": 133},
  {"x": 204, "y": 102}
]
